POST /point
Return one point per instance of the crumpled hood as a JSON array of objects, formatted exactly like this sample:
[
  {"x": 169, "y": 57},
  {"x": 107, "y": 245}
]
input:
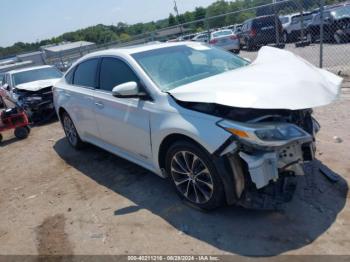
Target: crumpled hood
[
  {"x": 37, "y": 85},
  {"x": 277, "y": 79}
]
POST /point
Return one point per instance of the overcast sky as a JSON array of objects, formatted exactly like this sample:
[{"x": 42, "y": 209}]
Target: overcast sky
[{"x": 32, "y": 20}]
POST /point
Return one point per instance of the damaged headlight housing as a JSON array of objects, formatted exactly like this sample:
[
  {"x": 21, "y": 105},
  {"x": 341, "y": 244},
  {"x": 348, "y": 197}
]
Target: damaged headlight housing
[
  {"x": 266, "y": 134},
  {"x": 282, "y": 132}
]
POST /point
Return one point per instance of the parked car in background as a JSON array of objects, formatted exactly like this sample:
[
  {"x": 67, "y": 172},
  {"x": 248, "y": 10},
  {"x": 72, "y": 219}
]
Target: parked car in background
[
  {"x": 202, "y": 37},
  {"x": 336, "y": 25},
  {"x": 225, "y": 39},
  {"x": 286, "y": 20},
  {"x": 186, "y": 37},
  {"x": 293, "y": 31},
  {"x": 31, "y": 89},
  {"x": 222, "y": 130},
  {"x": 260, "y": 31},
  {"x": 235, "y": 28}
]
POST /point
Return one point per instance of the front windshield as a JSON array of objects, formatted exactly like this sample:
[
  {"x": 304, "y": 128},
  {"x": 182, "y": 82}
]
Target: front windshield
[
  {"x": 36, "y": 74},
  {"x": 172, "y": 67}
]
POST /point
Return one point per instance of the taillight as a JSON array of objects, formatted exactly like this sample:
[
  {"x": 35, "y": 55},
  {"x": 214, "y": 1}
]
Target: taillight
[
  {"x": 213, "y": 41},
  {"x": 234, "y": 37},
  {"x": 252, "y": 32}
]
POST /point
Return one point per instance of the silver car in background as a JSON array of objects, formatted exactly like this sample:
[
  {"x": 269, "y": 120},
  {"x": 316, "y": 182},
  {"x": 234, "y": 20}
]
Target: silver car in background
[
  {"x": 202, "y": 38},
  {"x": 31, "y": 89},
  {"x": 225, "y": 39}
]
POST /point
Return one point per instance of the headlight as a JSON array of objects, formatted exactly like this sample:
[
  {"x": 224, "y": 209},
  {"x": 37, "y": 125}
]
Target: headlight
[
  {"x": 266, "y": 134},
  {"x": 282, "y": 132}
]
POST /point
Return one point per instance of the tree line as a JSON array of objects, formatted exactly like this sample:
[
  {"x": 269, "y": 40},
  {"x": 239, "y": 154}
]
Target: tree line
[{"x": 101, "y": 34}]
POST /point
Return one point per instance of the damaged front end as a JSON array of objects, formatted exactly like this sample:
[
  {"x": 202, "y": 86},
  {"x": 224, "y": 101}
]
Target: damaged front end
[
  {"x": 37, "y": 104},
  {"x": 266, "y": 152},
  {"x": 272, "y": 150}
]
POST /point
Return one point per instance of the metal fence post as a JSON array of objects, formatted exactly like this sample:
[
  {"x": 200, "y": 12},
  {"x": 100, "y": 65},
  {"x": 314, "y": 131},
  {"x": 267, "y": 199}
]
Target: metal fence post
[
  {"x": 276, "y": 23},
  {"x": 321, "y": 32}
]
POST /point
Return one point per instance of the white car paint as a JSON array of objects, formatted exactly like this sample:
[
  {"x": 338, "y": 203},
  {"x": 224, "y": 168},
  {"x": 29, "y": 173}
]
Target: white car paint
[{"x": 277, "y": 79}]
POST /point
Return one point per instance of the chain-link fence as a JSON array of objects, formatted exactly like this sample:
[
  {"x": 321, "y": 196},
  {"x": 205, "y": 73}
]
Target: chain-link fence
[{"x": 317, "y": 32}]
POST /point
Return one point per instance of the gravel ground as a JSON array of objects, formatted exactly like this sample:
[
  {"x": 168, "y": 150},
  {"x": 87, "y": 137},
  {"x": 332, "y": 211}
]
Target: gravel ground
[{"x": 55, "y": 200}]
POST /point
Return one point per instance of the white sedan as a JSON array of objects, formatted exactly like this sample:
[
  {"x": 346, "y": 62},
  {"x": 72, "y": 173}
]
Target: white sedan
[
  {"x": 223, "y": 130},
  {"x": 225, "y": 39}
]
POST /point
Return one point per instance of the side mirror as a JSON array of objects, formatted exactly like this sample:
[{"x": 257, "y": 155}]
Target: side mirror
[{"x": 127, "y": 90}]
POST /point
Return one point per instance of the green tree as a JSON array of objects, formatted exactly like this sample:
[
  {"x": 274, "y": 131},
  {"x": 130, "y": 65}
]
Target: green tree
[{"x": 171, "y": 20}]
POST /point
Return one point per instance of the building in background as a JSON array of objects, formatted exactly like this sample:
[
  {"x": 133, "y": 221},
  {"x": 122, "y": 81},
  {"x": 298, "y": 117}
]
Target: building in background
[{"x": 67, "y": 48}]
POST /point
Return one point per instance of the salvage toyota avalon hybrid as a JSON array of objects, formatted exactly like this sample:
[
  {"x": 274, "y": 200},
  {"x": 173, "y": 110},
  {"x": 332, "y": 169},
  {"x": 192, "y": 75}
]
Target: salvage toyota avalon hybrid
[{"x": 224, "y": 130}]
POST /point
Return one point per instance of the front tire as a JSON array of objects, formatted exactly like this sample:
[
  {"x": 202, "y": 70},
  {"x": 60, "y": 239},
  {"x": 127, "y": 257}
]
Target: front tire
[
  {"x": 193, "y": 174},
  {"x": 71, "y": 132}
]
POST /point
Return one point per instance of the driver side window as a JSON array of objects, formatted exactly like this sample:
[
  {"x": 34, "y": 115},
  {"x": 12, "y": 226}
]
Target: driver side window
[{"x": 114, "y": 72}]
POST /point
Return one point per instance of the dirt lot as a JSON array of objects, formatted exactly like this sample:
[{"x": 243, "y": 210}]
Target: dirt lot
[{"x": 55, "y": 200}]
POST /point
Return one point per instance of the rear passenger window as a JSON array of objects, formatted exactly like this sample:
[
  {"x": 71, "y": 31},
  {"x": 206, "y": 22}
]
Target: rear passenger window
[
  {"x": 115, "y": 72},
  {"x": 69, "y": 76},
  {"x": 85, "y": 74}
]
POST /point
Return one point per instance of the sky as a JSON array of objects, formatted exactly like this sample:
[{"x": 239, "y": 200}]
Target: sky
[{"x": 32, "y": 20}]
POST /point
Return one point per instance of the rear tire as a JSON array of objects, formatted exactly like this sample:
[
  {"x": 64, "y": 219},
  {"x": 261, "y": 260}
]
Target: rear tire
[
  {"x": 250, "y": 46},
  {"x": 338, "y": 37},
  {"x": 22, "y": 132},
  {"x": 71, "y": 132},
  {"x": 310, "y": 38},
  {"x": 1, "y": 137},
  {"x": 194, "y": 175}
]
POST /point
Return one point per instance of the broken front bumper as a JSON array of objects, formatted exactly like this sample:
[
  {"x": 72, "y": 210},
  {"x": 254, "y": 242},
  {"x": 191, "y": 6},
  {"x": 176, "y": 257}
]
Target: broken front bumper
[{"x": 265, "y": 176}]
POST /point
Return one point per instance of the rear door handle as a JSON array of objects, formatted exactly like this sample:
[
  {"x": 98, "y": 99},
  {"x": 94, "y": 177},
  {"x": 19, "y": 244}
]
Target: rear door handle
[
  {"x": 99, "y": 104},
  {"x": 67, "y": 94}
]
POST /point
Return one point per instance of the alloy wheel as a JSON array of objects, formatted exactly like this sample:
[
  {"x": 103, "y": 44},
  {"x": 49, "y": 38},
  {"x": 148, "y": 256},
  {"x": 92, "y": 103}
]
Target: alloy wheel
[
  {"x": 192, "y": 177},
  {"x": 70, "y": 130}
]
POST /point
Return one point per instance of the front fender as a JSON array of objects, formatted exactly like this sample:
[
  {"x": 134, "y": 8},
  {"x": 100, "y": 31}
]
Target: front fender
[{"x": 196, "y": 126}]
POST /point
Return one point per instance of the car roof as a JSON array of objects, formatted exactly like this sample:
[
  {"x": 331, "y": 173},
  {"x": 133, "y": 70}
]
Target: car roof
[
  {"x": 141, "y": 48},
  {"x": 28, "y": 69}
]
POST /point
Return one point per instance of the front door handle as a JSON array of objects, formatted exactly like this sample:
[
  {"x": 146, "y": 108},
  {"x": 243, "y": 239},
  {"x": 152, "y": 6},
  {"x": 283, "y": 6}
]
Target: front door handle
[{"x": 99, "y": 104}]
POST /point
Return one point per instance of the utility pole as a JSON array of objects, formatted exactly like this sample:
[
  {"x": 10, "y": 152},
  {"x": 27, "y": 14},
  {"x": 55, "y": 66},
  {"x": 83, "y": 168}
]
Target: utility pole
[{"x": 177, "y": 15}]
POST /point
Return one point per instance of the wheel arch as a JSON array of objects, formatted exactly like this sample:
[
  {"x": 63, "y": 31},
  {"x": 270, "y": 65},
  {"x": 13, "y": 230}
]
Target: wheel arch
[
  {"x": 220, "y": 164},
  {"x": 168, "y": 141}
]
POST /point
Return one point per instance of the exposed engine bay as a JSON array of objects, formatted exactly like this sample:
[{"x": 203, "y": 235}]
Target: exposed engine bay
[
  {"x": 264, "y": 166},
  {"x": 37, "y": 104}
]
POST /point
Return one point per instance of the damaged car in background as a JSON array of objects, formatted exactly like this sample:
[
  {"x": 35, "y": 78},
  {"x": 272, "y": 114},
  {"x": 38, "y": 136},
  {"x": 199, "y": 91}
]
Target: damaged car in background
[
  {"x": 31, "y": 89},
  {"x": 224, "y": 130}
]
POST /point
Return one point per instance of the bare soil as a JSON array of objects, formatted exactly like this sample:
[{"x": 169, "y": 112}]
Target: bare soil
[{"x": 55, "y": 200}]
